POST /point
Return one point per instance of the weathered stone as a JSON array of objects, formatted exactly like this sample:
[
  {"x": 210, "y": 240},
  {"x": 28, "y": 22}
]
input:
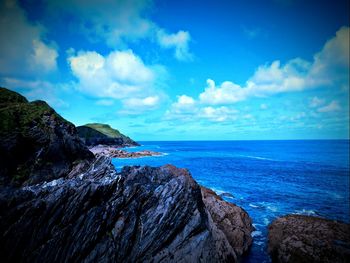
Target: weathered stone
[
  {"x": 142, "y": 214},
  {"x": 298, "y": 238}
]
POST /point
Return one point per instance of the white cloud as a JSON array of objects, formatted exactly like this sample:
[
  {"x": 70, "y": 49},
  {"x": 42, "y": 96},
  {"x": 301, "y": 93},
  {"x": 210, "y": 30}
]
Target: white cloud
[
  {"x": 179, "y": 41},
  {"x": 219, "y": 114},
  {"x": 36, "y": 90},
  {"x": 332, "y": 106},
  {"x": 333, "y": 59},
  {"x": 43, "y": 57},
  {"x": 113, "y": 22},
  {"x": 316, "y": 102},
  {"x": 119, "y": 75},
  {"x": 22, "y": 45},
  {"x": 135, "y": 106},
  {"x": 263, "y": 106},
  {"x": 118, "y": 22},
  {"x": 105, "y": 102},
  {"x": 148, "y": 102},
  {"x": 227, "y": 93},
  {"x": 330, "y": 66},
  {"x": 187, "y": 109}
]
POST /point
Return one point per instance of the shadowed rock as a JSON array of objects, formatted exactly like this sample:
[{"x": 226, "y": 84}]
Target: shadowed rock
[
  {"x": 36, "y": 144},
  {"x": 298, "y": 238},
  {"x": 60, "y": 204},
  {"x": 142, "y": 214}
]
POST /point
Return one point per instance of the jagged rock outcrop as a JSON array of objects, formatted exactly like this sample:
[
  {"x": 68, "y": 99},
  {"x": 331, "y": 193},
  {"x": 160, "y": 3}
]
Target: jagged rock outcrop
[
  {"x": 58, "y": 203},
  {"x": 141, "y": 214},
  {"x": 298, "y": 238},
  {"x": 232, "y": 220},
  {"x": 96, "y": 133},
  {"x": 36, "y": 144}
]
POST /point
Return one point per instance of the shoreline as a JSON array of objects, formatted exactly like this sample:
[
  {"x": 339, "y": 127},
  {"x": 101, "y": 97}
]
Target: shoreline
[{"x": 116, "y": 152}]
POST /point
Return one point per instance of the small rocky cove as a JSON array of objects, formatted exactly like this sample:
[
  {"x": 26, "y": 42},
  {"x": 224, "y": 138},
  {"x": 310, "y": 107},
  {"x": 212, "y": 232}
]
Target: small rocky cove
[{"x": 61, "y": 202}]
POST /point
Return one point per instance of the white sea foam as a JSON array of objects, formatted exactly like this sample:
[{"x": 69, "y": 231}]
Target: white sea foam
[
  {"x": 266, "y": 221},
  {"x": 272, "y": 208},
  {"x": 259, "y": 243},
  {"x": 217, "y": 191},
  {"x": 254, "y": 206},
  {"x": 305, "y": 212},
  {"x": 256, "y": 233},
  {"x": 257, "y": 157}
]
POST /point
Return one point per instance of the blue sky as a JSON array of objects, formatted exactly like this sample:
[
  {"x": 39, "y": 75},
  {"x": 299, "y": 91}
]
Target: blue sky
[{"x": 184, "y": 70}]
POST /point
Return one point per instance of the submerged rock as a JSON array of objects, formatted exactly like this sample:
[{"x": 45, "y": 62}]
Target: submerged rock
[
  {"x": 299, "y": 238},
  {"x": 141, "y": 214}
]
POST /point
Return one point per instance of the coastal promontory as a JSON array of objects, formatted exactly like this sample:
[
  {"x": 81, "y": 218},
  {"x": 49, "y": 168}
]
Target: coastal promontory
[
  {"x": 98, "y": 133},
  {"x": 76, "y": 207}
]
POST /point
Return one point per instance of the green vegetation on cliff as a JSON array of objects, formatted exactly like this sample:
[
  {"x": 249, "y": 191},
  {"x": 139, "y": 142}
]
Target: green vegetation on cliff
[
  {"x": 98, "y": 133},
  {"x": 105, "y": 129},
  {"x": 36, "y": 143}
]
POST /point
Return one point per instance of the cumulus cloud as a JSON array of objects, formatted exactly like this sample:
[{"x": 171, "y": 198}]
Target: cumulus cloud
[
  {"x": 118, "y": 22},
  {"x": 331, "y": 107},
  {"x": 316, "y": 102},
  {"x": 37, "y": 90},
  {"x": 178, "y": 41},
  {"x": 330, "y": 67},
  {"x": 186, "y": 108},
  {"x": 23, "y": 46},
  {"x": 118, "y": 75},
  {"x": 227, "y": 93},
  {"x": 148, "y": 102},
  {"x": 332, "y": 62},
  {"x": 110, "y": 21},
  {"x": 218, "y": 114}
]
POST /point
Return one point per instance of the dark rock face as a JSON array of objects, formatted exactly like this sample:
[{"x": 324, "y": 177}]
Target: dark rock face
[
  {"x": 36, "y": 143},
  {"x": 297, "y": 238},
  {"x": 232, "y": 220},
  {"x": 93, "y": 136},
  {"x": 60, "y": 204},
  {"x": 142, "y": 214}
]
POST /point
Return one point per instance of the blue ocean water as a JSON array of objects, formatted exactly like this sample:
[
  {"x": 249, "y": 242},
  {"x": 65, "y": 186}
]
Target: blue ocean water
[{"x": 267, "y": 178}]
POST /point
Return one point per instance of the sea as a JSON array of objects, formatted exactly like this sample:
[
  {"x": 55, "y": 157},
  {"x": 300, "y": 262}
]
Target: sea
[{"x": 267, "y": 178}]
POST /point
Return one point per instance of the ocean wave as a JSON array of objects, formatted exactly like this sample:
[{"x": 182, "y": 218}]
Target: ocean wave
[
  {"x": 305, "y": 212},
  {"x": 257, "y": 157},
  {"x": 256, "y": 233},
  {"x": 254, "y": 206},
  {"x": 217, "y": 191},
  {"x": 266, "y": 221},
  {"x": 259, "y": 243}
]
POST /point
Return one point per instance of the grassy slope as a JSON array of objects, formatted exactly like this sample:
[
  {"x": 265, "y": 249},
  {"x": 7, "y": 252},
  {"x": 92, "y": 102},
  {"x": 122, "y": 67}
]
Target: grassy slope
[{"x": 105, "y": 129}]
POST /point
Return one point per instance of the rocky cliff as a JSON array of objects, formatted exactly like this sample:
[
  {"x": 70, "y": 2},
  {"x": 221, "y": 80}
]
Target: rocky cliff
[
  {"x": 297, "y": 238},
  {"x": 36, "y": 143},
  {"x": 86, "y": 211},
  {"x": 96, "y": 133},
  {"x": 141, "y": 214}
]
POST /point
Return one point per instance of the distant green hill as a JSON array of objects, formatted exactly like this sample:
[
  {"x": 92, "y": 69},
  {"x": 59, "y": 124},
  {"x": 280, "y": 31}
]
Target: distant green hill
[{"x": 98, "y": 133}]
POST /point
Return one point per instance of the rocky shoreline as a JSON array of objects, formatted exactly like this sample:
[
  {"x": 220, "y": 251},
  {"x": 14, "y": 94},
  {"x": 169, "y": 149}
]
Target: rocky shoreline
[
  {"x": 114, "y": 152},
  {"x": 59, "y": 202},
  {"x": 299, "y": 238},
  {"x": 63, "y": 202}
]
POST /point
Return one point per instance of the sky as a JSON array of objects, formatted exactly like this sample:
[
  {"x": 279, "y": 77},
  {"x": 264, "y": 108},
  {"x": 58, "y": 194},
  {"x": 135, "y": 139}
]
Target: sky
[{"x": 184, "y": 70}]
